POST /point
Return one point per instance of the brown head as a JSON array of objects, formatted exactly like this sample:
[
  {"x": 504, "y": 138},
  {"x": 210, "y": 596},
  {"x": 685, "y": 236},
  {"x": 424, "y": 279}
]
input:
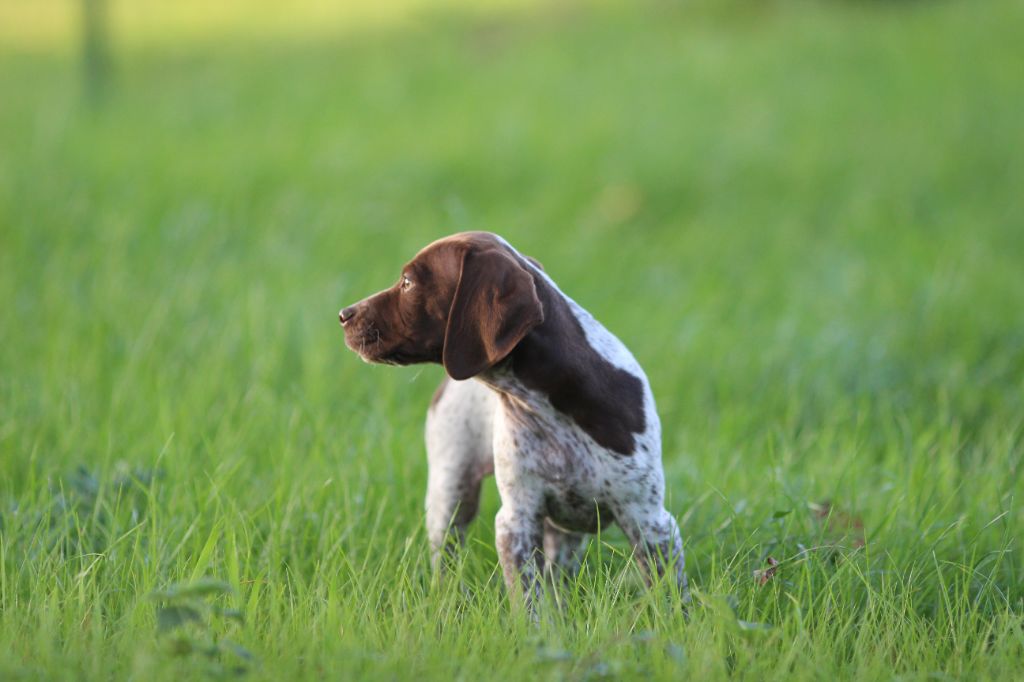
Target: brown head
[{"x": 464, "y": 301}]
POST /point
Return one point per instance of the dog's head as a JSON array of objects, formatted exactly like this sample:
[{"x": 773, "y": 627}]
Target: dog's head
[{"x": 464, "y": 301}]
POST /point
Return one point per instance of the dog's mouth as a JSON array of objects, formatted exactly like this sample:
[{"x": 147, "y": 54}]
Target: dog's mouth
[
  {"x": 370, "y": 345},
  {"x": 366, "y": 343}
]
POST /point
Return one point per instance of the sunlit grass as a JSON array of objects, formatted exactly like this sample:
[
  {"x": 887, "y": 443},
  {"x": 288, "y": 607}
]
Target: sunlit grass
[
  {"x": 54, "y": 25},
  {"x": 804, "y": 218}
]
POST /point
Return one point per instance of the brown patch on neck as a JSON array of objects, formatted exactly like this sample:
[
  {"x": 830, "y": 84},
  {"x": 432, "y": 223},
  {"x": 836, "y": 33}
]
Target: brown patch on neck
[{"x": 556, "y": 359}]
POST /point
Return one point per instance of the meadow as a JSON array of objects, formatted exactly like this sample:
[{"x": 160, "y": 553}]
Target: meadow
[{"x": 805, "y": 218}]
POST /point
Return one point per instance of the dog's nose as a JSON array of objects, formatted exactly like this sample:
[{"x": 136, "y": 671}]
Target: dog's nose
[{"x": 347, "y": 314}]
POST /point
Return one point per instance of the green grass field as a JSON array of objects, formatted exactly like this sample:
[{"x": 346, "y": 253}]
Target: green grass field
[{"x": 805, "y": 218}]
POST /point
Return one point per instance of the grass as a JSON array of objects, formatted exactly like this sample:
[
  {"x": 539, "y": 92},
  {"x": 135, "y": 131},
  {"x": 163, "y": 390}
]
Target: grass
[{"x": 805, "y": 218}]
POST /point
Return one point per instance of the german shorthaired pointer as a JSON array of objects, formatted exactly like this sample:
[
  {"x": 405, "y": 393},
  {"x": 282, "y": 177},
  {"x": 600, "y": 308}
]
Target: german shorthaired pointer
[{"x": 558, "y": 409}]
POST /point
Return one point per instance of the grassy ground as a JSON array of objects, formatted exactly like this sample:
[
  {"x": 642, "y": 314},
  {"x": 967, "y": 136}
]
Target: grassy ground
[{"x": 806, "y": 219}]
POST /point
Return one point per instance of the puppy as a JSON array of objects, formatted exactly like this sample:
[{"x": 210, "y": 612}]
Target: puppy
[{"x": 538, "y": 393}]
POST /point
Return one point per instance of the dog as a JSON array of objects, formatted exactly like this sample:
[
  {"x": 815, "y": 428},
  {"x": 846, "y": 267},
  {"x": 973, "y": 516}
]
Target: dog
[{"x": 538, "y": 393}]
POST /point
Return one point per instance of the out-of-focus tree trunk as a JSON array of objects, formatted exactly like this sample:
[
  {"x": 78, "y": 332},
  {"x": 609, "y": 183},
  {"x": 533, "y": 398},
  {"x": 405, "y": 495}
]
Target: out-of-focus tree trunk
[{"x": 95, "y": 52}]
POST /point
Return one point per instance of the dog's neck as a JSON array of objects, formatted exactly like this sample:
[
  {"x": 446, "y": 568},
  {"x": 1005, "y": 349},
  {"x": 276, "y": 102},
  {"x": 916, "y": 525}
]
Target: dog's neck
[{"x": 556, "y": 364}]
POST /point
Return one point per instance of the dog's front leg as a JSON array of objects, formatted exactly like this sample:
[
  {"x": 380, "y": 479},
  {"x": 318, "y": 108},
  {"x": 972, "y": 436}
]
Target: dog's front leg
[
  {"x": 452, "y": 501},
  {"x": 519, "y": 535},
  {"x": 459, "y": 442},
  {"x": 519, "y": 525}
]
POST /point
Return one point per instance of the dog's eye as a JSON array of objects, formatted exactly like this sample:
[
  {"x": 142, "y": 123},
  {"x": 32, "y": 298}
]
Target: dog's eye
[{"x": 405, "y": 284}]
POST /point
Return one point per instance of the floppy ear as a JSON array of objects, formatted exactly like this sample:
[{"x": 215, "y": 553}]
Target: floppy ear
[{"x": 494, "y": 307}]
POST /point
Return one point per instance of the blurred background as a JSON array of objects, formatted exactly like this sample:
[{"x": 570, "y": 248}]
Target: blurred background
[{"x": 805, "y": 217}]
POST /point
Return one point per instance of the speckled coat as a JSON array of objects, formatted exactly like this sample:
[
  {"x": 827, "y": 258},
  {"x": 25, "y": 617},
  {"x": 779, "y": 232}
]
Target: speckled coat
[{"x": 543, "y": 396}]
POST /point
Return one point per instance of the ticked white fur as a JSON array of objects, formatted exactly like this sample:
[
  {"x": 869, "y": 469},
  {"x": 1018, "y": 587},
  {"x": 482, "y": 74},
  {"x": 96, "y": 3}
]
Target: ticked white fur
[{"x": 541, "y": 459}]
